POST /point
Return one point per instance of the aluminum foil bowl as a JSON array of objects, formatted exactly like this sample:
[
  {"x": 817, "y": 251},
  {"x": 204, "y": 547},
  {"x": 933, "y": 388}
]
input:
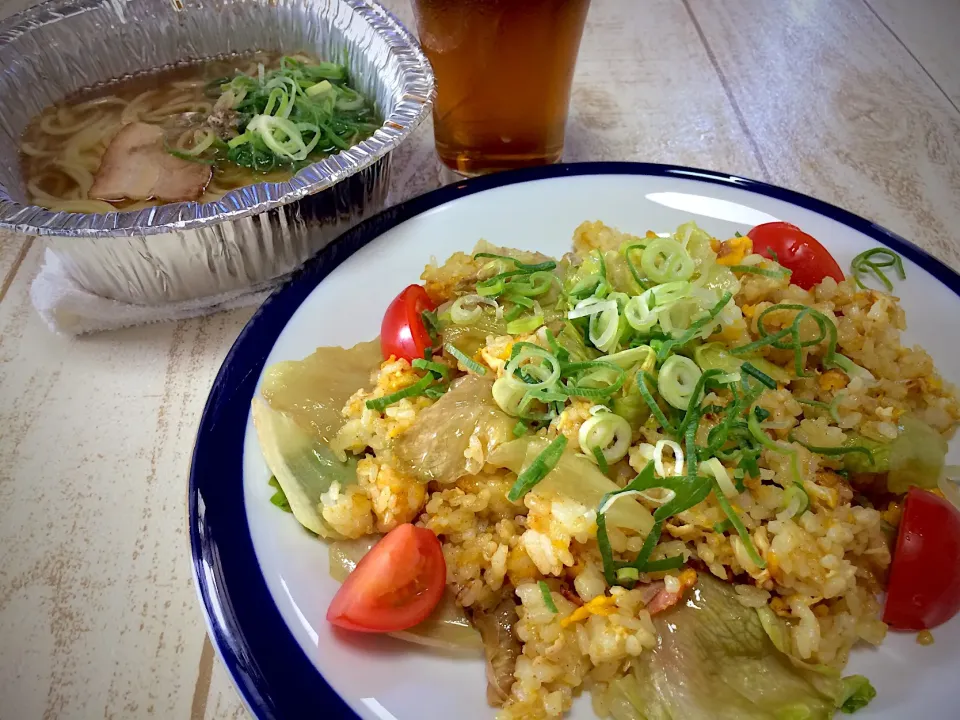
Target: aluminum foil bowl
[{"x": 254, "y": 234}]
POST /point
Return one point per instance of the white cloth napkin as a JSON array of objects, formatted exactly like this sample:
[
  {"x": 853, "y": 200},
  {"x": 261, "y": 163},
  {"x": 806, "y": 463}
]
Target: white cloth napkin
[{"x": 68, "y": 309}]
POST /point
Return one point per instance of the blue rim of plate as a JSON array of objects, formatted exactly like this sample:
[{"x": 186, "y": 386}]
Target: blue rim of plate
[{"x": 273, "y": 674}]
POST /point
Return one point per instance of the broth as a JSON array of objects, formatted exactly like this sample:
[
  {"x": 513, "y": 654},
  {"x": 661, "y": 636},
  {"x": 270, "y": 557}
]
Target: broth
[{"x": 81, "y": 154}]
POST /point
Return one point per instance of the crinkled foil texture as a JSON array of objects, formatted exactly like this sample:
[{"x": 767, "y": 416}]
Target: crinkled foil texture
[{"x": 254, "y": 234}]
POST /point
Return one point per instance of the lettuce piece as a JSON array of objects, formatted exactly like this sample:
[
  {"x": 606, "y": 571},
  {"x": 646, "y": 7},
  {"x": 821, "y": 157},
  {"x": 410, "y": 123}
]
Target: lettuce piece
[
  {"x": 573, "y": 477},
  {"x": 313, "y": 391},
  {"x": 857, "y": 693},
  {"x": 434, "y": 447},
  {"x": 714, "y": 661},
  {"x": 917, "y": 456},
  {"x": 303, "y": 466}
]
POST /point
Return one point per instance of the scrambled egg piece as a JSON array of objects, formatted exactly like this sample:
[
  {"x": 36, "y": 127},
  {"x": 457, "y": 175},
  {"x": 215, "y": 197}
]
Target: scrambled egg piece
[
  {"x": 833, "y": 380},
  {"x": 396, "y": 498},
  {"x": 600, "y": 605},
  {"x": 732, "y": 251}
]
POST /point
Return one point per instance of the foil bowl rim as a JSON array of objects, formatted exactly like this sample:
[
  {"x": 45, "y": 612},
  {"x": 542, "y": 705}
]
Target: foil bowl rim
[{"x": 415, "y": 97}]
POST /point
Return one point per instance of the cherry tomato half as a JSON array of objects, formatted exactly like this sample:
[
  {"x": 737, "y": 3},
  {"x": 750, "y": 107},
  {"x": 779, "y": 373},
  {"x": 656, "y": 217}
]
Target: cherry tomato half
[
  {"x": 394, "y": 586},
  {"x": 402, "y": 332},
  {"x": 798, "y": 252},
  {"x": 924, "y": 589}
]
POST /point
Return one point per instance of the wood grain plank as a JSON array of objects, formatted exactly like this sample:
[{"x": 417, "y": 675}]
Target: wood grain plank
[
  {"x": 845, "y": 115},
  {"x": 928, "y": 28},
  {"x": 97, "y": 609},
  {"x": 13, "y": 250},
  {"x": 645, "y": 89}
]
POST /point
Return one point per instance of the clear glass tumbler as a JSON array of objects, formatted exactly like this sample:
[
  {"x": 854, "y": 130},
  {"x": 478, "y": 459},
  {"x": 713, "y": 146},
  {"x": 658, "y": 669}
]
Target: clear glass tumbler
[{"x": 503, "y": 69}]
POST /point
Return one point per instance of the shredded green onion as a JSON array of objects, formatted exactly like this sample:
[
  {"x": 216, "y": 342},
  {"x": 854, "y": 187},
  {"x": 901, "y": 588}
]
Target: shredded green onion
[
  {"x": 547, "y": 597},
  {"x": 762, "y": 377},
  {"x": 525, "y": 267},
  {"x": 687, "y": 492},
  {"x": 694, "y": 328},
  {"x": 834, "y": 451},
  {"x": 468, "y": 362},
  {"x": 538, "y": 469},
  {"x": 790, "y": 337},
  {"x": 865, "y": 263},
  {"x": 642, "y": 378},
  {"x": 761, "y": 271},
  {"x": 587, "y": 377},
  {"x": 439, "y": 369},
  {"x": 523, "y": 326},
  {"x": 418, "y": 388},
  {"x": 796, "y": 496},
  {"x": 670, "y": 563},
  {"x": 739, "y": 527}
]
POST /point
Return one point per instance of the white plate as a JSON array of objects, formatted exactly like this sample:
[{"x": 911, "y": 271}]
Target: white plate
[{"x": 253, "y": 561}]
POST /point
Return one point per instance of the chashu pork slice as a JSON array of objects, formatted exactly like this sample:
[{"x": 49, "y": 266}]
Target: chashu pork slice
[{"x": 137, "y": 167}]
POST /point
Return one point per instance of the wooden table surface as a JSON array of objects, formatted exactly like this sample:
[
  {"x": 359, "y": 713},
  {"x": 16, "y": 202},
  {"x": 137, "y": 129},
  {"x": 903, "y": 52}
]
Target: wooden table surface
[{"x": 852, "y": 101}]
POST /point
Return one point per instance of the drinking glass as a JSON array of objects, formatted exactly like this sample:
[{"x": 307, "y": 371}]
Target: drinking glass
[{"x": 503, "y": 70}]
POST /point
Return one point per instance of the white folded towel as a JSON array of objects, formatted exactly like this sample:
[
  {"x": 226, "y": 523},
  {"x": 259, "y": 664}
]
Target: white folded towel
[{"x": 68, "y": 309}]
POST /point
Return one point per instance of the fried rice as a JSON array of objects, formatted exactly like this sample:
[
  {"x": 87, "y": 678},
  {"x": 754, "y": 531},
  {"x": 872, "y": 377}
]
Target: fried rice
[{"x": 823, "y": 568}]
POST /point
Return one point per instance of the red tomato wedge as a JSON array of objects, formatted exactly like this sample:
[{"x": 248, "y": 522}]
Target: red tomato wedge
[
  {"x": 807, "y": 259},
  {"x": 395, "y": 586},
  {"x": 402, "y": 332},
  {"x": 924, "y": 589}
]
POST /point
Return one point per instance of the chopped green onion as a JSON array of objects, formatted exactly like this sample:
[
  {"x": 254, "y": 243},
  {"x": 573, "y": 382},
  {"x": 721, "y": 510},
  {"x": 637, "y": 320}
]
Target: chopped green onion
[
  {"x": 715, "y": 356},
  {"x": 695, "y": 327},
  {"x": 527, "y": 268},
  {"x": 538, "y": 469},
  {"x": 789, "y": 338},
  {"x": 664, "y": 260},
  {"x": 851, "y": 368},
  {"x": 606, "y": 436},
  {"x": 601, "y": 460},
  {"x": 418, "y": 388},
  {"x": 439, "y": 369},
  {"x": 579, "y": 388},
  {"x": 627, "y": 574},
  {"x": 279, "y": 498},
  {"x": 547, "y": 597},
  {"x": 722, "y": 527},
  {"x": 761, "y": 376},
  {"x": 864, "y": 263},
  {"x": 469, "y": 363},
  {"x": 531, "y": 285},
  {"x": 461, "y": 315},
  {"x": 520, "y": 429},
  {"x": 641, "y": 281},
  {"x": 687, "y": 492},
  {"x": 431, "y": 323},
  {"x": 678, "y": 379},
  {"x": 761, "y": 271},
  {"x": 670, "y": 563},
  {"x": 651, "y": 403},
  {"x": 834, "y": 451},
  {"x": 797, "y": 498},
  {"x": 523, "y": 326},
  {"x": 739, "y": 527}
]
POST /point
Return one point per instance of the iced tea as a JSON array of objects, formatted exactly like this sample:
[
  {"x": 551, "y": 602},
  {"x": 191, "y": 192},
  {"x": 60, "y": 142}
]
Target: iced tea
[{"x": 503, "y": 70}]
